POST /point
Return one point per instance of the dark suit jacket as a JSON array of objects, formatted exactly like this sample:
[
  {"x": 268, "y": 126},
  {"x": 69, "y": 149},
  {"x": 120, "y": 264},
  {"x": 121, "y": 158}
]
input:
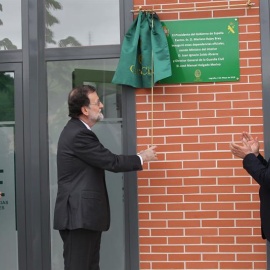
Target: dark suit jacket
[
  {"x": 259, "y": 169},
  {"x": 82, "y": 200}
]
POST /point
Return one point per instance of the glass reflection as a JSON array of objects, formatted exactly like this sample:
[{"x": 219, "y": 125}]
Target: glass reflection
[
  {"x": 82, "y": 23},
  {"x": 8, "y": 225},
  {"x": 62, "y": 77},
  {"x": 10, "y": 25}
]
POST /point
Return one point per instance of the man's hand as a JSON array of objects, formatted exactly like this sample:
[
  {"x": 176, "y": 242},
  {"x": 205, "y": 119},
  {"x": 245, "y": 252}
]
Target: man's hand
[
  {"x": 149, "y": 154},
  {"x": 254, "y": 143},
  {"x": 241, "y": 151}
]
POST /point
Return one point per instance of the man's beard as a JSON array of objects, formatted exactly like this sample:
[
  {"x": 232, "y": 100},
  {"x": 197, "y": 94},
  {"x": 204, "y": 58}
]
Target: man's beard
[{"x": 100, "y": 117}]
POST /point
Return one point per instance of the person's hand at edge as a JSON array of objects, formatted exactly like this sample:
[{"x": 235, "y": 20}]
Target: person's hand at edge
[
  {"x": 254, "y": 143},
  {"x": 149, "y": 154},
  {"x": 241, "y": 151}
]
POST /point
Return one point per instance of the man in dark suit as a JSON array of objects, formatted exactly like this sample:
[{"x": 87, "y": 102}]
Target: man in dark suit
[
  {"x": 259, "y": 169},
  {"x": 82, "y": 207}
]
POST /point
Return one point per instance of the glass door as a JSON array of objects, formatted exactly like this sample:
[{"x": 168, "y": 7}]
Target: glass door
[{"x": 11, "y": 169}]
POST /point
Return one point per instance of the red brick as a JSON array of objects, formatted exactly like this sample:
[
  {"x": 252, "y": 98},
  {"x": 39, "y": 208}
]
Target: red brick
[
  {"x": 216, "y": 138},
  {"x": 235, "y": 248},
  {"x": 215, "y": 105},
  {"x": 151, "y": 190},
  {"x": 144, "y": 265},
  {"x": 217, "y": 206},
  {"x": 183, "y": 206},
  {"x": 218, "y": 223},
  {"x": 250, "y": 54},
  {"x": 234, "y": 214},
  {"x": 217, "y": 240},
  {"x": 152, "y": 207},
  {"x": 201, "y": 248},
  {"x": 153, "y": 257},
  {"x": 235, "y": 231},
  {"x": 152, "y": 224},
  {"x": 218, "y": 257},
  {"x": 181, "y": 106},
  {"x": 182, "y": 190},
  {"x": 233, "y": 112},
  {"x": 198, "y": 114},
  {"x": 180, "y": 89},
  {"x": 181, "y": 122},
  {"x": 199, "y": 164},
  {"x": 195, "y": 15},
  {"x": 231, "y": 96},
  {"x": 168, "y": 16},
  {"x": 167, "y": 265},
  {"x": 217, "y": 172},
  {"x": 214, "y": 88},
  {"x": 249, "y": 36},
  {"x": 198, "y": 130},
  {"x": 201, "y": 265},
  {"x": 167, "y": 249},
  {"x": 182, "y": 139},
  {"x": 144, "y": 249},
  {"x": 251, "y": 257},
  {"x": 236, "y": 265},
  {"x": 217, "y": 189},
  {"x": 200, "y": 97},
  {"x": 166, "y": 215},
  {"x": 164, "y": 115},
  {"x": 165, "y": 165},
  {"x": 167, "y": 232},
  {"x": 182, "y": 173},
  {"x": 254, "y": 45},
  {"x": 234, "y": 180},
  {"x": 167, "y": 198},
  {"x": 247, "y": 87},
  {"x": 199, "y": 147},
  {"x": 182, "y": 156},
  {"x": 249, "y": 240},
  {"x": 200, "y": 181},
  {"x": 183, "y": 223},
  {"x": 247, "y": 206},
  {"x": 200, "y": 198},
  {"x": 215, "y": 121},
  {"x": 200, "y": 214},
  {"x": 184, "y": 240},
  {"x": 184, "y": 257}
]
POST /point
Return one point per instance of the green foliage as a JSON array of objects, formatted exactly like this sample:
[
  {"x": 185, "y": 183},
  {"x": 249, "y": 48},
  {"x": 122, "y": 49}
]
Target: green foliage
[
  {"x": 6, "y": 44},
  {"x": 50, "y": 21},
  {"x": 6, "y": 97},
  {"x": 69, "y": 42},
  {"x": 52, "y": 4}
]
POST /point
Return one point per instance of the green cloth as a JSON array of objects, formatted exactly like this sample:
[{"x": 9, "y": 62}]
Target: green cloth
[{"x": 135, "y": 62}]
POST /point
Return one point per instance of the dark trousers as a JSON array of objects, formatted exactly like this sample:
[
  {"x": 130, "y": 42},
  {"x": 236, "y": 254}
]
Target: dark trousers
[{"x": 81, "y": 249}]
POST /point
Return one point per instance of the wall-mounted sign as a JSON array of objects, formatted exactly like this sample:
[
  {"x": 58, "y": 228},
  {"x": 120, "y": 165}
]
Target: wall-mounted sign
[{"x": 203, "y": 50}]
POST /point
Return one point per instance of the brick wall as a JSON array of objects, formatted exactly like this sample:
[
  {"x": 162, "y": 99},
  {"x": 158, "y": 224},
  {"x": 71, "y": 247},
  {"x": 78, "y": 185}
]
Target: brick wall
[{"x": 198, "y": 209}]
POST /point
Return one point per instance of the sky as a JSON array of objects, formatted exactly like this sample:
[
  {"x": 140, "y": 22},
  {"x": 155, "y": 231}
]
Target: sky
[
  {"x": 91, "y": 22},
  {"x": 11, "y": 18}
]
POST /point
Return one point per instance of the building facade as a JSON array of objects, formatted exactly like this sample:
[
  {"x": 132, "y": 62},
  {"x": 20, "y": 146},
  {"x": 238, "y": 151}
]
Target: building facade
[{"x": 194, "y": 208}]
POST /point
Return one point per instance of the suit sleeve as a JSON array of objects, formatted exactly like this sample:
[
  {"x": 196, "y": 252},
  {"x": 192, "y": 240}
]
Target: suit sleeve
[
  {"x": 88, "y": 148},
  {"x": 258, "y": 168}
]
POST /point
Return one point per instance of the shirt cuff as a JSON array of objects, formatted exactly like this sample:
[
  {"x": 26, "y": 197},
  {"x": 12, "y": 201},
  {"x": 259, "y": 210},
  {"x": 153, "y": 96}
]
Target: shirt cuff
[{"x": 140, "y": 158}]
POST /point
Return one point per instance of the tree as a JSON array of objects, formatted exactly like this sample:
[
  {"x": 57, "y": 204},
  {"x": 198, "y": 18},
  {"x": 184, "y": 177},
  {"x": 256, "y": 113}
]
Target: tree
[
  {"x": 6, "y": 44},
  {"x": 50, "y": 21}
]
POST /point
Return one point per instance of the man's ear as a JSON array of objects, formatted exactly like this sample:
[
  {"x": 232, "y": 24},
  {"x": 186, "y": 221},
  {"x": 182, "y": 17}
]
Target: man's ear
[{"x": 84, "y": 110}]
